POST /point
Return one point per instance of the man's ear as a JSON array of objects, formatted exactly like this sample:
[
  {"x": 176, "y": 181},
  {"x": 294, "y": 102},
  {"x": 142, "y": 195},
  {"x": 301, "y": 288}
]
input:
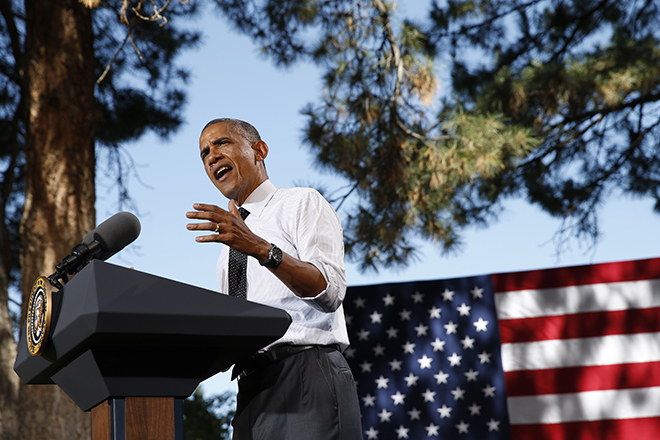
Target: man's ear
[{"x": 261, "y": 150}]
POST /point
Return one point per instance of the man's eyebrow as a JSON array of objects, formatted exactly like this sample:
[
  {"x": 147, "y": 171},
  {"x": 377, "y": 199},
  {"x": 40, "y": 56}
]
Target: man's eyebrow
[{"x": 219, "y": 140}]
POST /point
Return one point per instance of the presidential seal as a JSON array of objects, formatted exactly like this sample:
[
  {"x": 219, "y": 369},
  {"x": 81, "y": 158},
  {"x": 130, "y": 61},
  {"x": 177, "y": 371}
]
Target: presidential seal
[{"x": 39, "y": 316}]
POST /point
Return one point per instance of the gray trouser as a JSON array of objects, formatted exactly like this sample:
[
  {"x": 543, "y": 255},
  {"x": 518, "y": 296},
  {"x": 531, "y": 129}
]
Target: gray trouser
[{"x": 310, "y": 395}]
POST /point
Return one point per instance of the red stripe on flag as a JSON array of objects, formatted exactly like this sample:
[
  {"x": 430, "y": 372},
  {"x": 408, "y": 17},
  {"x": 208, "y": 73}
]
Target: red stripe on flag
[
  {"x": 580, "y": 325},
  {"x": 579, "y": 379},
  {"x": 577, "y": 275},
  {"x": 627, "y": 429}
]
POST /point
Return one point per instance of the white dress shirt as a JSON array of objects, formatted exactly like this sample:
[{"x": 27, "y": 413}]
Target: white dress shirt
[{"x": 304, "y": 225}]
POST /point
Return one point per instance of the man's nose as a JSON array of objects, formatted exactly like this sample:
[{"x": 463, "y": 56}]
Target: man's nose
[{"x": 215, "y": 156}]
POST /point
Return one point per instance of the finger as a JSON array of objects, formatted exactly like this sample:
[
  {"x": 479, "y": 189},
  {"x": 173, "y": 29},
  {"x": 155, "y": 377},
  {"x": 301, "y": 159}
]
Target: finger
[
  {"x": 207, "y": 207},
  {"x": 198, "y": 215},
  {"x": 207, "y": 215},
  {"x": 206, "y": 226},
  {"x": 207, "y": 238}
]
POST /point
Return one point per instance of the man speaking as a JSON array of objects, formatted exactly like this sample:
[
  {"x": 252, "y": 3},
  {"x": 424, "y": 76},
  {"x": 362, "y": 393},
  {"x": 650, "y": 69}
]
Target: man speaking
[{"x": 284, "y": 249}]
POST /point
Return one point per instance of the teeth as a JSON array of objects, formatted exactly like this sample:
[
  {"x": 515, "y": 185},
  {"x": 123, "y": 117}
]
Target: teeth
[{"x": 220, "y": 171}]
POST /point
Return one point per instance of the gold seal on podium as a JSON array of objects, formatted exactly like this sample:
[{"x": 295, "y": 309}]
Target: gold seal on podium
[{"x": 39, "y": 316}]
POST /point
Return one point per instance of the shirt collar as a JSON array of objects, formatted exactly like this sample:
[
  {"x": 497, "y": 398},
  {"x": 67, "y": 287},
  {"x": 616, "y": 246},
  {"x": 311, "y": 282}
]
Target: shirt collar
[{"x": 257, "y": 201}]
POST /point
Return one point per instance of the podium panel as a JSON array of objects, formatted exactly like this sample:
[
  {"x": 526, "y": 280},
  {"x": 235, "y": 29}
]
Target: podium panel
[{"x": 124, "y": 333}]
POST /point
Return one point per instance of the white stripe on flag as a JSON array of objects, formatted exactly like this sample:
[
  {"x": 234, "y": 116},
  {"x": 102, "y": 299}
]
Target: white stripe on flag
[
  {"x": 577, "y": 299},
  {"x": 604, "y": 350},
  {"x": 586, "y": 406}
]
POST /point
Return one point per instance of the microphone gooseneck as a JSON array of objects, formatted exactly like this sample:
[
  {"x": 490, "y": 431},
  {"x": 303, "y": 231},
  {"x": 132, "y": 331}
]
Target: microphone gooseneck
[{"x": 107, "y": 239}]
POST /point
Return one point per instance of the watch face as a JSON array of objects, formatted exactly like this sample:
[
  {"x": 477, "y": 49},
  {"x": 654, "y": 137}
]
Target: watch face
[{"x": 274, "y": 257}]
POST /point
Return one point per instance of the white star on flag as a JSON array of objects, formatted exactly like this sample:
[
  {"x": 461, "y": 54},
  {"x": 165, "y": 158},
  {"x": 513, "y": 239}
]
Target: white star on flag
[
  {"x": 421, "y": 330},
  {"x": 455, "y": 360},
  {"x": 489, "y": 391},
  {"x": 369, "y": 400},
  {"x": 451, "y": 327},
  {"x": 441, "y": 377},
  {"x": 388, "y": 300},
  {"x": 382, "y": 382},
  {"x": 434, "y": 312},
  {"x": 477, "y": 292},
  {"x": 467, "y": 342},
  {"x": 392, "y": 333},
  {"x": 429, "y": 396},
  {"x": 409, "y": 347},
  {"x": 463, "y": 309},
  {"x": 458, "y": 393},
  {"x": 444, "y": 411},
  {"x": 471, "y": 375},
  {"x": 425, "y": 362},
  {"x": 481, "y": 325},
  {"x": 398, "y": 398},
  {"x": 415, "y": 414},
  {"x": 438, "y": 345},
  {"x": 462, "y": 427},
  {"x": 395, "y": 365},
  {"x": 474, "y": 409},
  {"x": 484, "y": 358},
  {"x": 411, "y": 380},
  {"x": 384, "y": 415},
  {"x": 372, "y": 434},
  {"x": 376, "y": 317},
  {"x": 363, "y": 335},
  {"x": 493, "y": 425}
]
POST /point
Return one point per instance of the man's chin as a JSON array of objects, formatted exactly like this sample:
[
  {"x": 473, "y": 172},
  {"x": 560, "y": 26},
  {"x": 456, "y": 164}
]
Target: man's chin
[{"x": 225, "y": 190}]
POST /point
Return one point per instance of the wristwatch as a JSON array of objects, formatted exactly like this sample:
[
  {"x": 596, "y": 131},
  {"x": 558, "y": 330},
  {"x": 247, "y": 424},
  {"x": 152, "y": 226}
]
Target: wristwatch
[{"x": 274, "y": 257}]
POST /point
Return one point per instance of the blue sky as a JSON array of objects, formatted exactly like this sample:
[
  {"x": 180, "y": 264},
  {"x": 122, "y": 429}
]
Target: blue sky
[{"x": 230, "y": 79}]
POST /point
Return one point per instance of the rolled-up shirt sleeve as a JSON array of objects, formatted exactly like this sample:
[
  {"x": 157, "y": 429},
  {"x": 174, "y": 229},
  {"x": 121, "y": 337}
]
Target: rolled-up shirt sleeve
[{"x": 320, "y": 241}]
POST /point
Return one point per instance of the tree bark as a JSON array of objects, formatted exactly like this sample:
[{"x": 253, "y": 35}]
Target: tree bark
[
  {"x": 9, "y": 381},
  {"x": 59, "y": 177}
]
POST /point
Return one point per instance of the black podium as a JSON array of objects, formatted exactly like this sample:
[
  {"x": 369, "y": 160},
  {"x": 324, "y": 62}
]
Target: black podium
[{"x": 130, "y": 347}]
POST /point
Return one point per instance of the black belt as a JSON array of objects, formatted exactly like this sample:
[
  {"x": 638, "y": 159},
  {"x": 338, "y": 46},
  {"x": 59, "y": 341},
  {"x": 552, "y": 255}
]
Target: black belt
[{"x": 263, "y": 359}]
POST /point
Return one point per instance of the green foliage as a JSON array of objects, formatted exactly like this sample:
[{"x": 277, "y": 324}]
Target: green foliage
[
  {"x": 583, "y": 76},
  {"x": 207, "y": 418},
  {"x": 553, "y": 100}
]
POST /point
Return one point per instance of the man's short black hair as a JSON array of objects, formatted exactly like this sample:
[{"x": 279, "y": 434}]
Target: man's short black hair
[{"x": 246, "y": 129}]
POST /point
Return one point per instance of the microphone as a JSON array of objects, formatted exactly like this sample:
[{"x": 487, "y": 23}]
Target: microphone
[
  {"x": 107, "y": 239},
  {"x": 114, "y": 234}
]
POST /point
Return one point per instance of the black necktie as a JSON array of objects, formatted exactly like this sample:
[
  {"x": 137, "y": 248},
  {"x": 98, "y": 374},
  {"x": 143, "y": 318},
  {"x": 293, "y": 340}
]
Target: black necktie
[{"x": 238, "y": 267}]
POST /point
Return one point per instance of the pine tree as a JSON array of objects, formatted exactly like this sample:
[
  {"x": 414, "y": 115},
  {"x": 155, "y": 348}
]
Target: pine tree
[{"x": 53, "y": 115}]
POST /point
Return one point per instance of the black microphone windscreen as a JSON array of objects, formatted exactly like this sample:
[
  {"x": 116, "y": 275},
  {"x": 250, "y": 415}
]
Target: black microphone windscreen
[{"x": 114, "y": 234}]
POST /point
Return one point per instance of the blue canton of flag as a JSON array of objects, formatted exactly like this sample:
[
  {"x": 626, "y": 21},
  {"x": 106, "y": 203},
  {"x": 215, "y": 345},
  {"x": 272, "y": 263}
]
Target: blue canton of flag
[{"x": 426, "y": 359}]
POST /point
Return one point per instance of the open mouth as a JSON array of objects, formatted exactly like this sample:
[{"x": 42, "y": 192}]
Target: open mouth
[{"x": 221, "y": 172}]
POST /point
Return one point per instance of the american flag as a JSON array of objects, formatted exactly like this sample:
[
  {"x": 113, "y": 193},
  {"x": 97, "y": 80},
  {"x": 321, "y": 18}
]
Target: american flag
[
  {"x": 426, "y": 359},
  {"x": 574, "y": 355}
]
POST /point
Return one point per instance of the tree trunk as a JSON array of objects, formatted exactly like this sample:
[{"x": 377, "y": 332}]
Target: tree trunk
[
  {"x": 59, "y": 177},
  {"x": 9, "y": 412}
]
